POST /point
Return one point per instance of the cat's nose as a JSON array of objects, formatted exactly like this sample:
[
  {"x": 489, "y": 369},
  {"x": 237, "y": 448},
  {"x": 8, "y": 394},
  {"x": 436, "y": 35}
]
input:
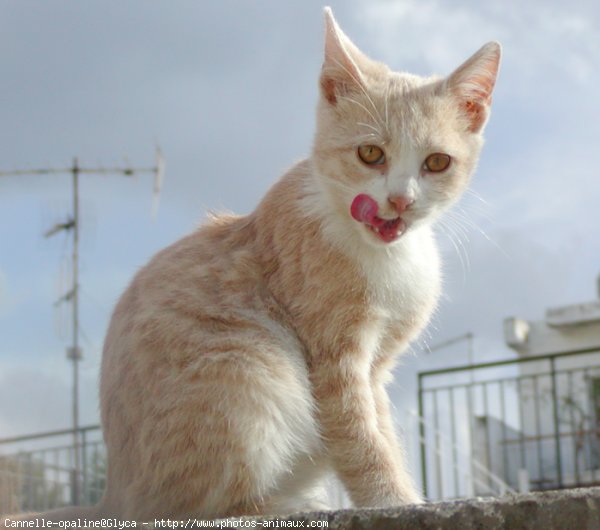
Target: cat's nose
[{"x": 400, "y": 203}]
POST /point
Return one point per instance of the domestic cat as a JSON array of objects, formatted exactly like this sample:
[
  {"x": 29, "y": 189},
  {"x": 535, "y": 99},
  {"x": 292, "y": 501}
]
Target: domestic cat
[{"x": 249, "y": 360}]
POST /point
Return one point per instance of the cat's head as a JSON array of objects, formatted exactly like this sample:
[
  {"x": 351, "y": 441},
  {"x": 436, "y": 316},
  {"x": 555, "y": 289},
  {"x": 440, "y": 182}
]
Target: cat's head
[{"x": 394, "y": 150}]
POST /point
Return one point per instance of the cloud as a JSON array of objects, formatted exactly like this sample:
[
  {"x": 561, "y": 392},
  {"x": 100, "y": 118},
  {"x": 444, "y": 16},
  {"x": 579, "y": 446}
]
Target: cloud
[
  {"x": 38, "y": 398},
  {"x": 537, "y": 171},
  {"x": 515, "y": 276},
  {"x": 549, "y": 190},
  {"x": 230, "y": 95},
  {"x": 552, "y": 40}
]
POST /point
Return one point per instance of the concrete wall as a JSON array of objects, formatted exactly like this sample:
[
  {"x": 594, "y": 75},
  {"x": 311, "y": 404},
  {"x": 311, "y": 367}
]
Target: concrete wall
[{"x": 577, "y": 509}]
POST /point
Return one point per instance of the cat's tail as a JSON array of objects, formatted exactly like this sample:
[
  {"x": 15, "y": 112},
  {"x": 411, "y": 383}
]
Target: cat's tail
[{"x": 69, "y": 517}]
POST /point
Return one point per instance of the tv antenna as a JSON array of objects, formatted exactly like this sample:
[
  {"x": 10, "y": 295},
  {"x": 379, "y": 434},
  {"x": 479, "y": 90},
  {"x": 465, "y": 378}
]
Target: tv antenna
[{"x": 71, "y": 224}]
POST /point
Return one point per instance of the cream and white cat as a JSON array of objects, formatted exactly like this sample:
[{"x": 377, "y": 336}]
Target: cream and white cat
[{"x": 249, "y": 360}]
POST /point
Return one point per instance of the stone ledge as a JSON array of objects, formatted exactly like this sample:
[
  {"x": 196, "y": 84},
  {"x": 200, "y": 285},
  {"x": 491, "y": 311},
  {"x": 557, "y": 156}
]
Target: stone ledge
[{"x": 576, "y": 509}]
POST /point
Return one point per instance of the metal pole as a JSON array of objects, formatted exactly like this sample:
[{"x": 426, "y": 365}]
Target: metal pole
[
  {"x": 422, "y": 438},
  {"x": 454, "y": 446},
  {"x": 557, "y": 445},
  {"x": 84, "y": 465},
  {"x": 471, "y": 356},
  {"x": 469, "y": 337},
  {"x": 75, "y": 351}
]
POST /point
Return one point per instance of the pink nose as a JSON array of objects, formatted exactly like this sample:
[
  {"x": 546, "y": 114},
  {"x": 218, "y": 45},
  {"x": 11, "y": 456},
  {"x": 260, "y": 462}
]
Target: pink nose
[{"x": 400, "y": 203}]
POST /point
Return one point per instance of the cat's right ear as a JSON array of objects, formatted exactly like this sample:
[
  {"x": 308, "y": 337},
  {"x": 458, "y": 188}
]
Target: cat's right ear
[
  {"x": 473, "y": 82},
  {"x": 340, "y": 73}
]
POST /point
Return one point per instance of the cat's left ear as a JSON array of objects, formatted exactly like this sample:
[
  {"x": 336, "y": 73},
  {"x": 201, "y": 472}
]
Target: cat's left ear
[
  {"x": 472, "y": 84},
  {"x": 343, "y": 62}
]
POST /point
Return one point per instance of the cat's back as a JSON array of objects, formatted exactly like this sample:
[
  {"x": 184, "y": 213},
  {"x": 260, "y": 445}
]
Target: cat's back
[
  {"x": 188, "y": 289},
  {"x": 196, "y": 345},
  {"x": 218, "y": 252}
]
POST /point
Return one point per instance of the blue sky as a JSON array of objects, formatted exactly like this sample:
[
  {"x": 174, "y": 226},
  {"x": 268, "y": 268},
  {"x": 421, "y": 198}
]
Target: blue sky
[{"x": 229, "y": 89}]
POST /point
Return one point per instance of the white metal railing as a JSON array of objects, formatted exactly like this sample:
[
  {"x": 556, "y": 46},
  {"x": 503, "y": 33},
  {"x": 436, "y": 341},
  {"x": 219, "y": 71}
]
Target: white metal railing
[
  {"x": 474, "y": 465},
  {"x": 37, "y": 472}
]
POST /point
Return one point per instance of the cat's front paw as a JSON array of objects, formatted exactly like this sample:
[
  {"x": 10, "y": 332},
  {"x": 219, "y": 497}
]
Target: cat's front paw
[
  {"x": 397, "y": 499},
  {"x": 316, "y": 506}
]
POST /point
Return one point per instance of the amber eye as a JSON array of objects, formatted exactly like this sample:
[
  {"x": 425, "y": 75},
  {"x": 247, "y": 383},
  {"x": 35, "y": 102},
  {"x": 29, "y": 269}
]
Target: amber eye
[
  {"x": 371, "y": 155},
  {"x": 437, "y": 162}
]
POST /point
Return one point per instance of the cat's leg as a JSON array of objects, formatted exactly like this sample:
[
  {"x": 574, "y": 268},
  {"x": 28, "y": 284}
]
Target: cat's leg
[
  {"x": 273, "y": 419},
  {"x": 362, "y": 455},
  {"x": 303, "y": 488},
  {"x": 380, "y": 376},
  {"x": 219, "y": 431}
]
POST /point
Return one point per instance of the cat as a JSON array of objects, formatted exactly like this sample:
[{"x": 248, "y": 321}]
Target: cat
[{"x": 248, "y": 361}]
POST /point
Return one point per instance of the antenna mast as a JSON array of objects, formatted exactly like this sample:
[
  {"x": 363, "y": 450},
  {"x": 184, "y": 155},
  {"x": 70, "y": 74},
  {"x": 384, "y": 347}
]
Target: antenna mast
[{"x": 72, "y": 224}]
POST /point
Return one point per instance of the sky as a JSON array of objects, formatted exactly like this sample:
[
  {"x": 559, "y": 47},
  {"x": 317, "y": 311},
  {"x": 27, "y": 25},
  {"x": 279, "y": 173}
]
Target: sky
[{"x": 228, "y": 90}]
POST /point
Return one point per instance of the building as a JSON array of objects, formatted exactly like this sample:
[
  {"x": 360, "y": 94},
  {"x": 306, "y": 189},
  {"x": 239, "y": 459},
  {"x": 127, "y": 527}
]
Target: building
[
  {"x": 560, "y": 393},
  {"x": 531, "y": 422}
]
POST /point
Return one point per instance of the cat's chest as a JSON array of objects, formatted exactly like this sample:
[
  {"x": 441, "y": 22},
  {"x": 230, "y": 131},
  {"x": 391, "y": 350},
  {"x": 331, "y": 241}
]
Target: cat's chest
[{"x": 402, "y": 291}]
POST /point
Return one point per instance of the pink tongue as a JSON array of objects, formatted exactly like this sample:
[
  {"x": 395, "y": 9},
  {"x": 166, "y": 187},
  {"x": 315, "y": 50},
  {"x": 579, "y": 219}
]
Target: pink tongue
[{"x": 364, "y": 208}]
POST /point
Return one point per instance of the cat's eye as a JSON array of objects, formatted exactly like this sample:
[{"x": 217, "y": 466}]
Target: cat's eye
[
  {"x": 437, "y": 162},
  {"x": 371, "y": 155}
]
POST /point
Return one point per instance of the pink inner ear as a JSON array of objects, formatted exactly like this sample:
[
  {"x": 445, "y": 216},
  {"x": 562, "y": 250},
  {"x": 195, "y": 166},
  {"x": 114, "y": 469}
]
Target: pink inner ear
[
  {"x": 473, "y": 82},
  {"x": 341, "y": 66},
  {"x": 485, "y": 85},
  {"x": 328, "y": 87},
  {"x": 476, "y": 113}
]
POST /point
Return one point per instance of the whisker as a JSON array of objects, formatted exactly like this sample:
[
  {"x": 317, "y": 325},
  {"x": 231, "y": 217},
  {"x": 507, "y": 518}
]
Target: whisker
[
  {"x": 463, "y": 216},
  {"x": 459, "y": 240},
  {"x": 423, "y": 340},
  {"x": 369, "y": 126},
  {"x": 449, "y": 234},
  {"x": 387, "y": 97},
  {"x": 362, "y": 107},
  {"x": 479, "y": 210},
  {"x": 359, "y": 84},
  {"x": 477, "y": 196},
  {"x": 458, "y": 225}
]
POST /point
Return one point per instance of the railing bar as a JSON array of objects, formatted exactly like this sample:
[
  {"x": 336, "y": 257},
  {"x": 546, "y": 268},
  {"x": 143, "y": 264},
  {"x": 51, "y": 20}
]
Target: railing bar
[
  {"x": 475, "y": 463},
  {"x": 575, "y": 434},
  {"x": 557, "y": 444},
  {"x": 56, "y": 468},
  {"x": 48, "y": 434},
  {"x": 484, "y": 470},
  {"x": 44, "y": 476},
  {"x": 488, "y": 441},
  {"x": 503, "y": 419},
  {"x": 422, "y": 441},
  {"x": 36, "y": 451},
  {"x": 521, "y": 424},
  {"x": 29, "y": 488},
  {"x": 470, "y": 414},
  {"x": 436, "y": 426},
  {"x": 538, "y": 427},
  {"x": 44, "y": 483},
  {"x": 514, "y": 378},
  {"x": 548, "y": 436},
  {"x": 592, "y": 462},
  {"x": 520, "y": 360},
  {"x": 453, "y": 437}
]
